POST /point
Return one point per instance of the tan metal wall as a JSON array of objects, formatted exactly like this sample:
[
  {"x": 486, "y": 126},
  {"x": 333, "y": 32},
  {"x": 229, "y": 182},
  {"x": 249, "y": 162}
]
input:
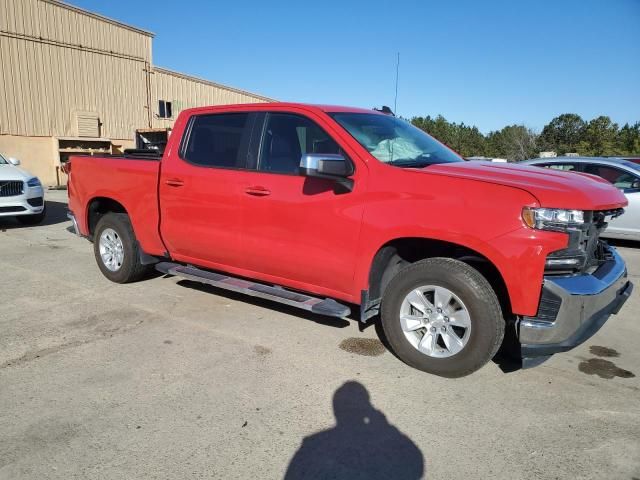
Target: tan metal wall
[
  {"x": 62, "y": 67},
  {"x": 63, "y": 23},
  {"x": 57, "y": 60},
  {"x": 184, "y": 91}
]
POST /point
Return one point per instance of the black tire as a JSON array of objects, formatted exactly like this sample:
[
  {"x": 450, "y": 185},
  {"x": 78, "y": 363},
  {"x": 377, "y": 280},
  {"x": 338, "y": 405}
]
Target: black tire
[
  {"x": 32, "y": 219},
  {"x": 131, "y": 270},
  {"x": 487, "y": 323}
]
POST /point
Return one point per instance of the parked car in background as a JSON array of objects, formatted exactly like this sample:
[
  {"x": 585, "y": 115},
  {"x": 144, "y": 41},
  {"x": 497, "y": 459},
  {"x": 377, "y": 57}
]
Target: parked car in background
[
  {"x": 21, "y": 194},
  {"x": 635, "y": 159},
  {"x": 623, "y": 174}
]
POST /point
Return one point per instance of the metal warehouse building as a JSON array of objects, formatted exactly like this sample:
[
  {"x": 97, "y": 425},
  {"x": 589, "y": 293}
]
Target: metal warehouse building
[{"x": 72, "y": 81}]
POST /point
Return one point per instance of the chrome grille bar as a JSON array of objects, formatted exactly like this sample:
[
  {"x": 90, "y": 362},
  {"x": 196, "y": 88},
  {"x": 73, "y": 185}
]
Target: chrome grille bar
[{"x": 11, "y": 188}]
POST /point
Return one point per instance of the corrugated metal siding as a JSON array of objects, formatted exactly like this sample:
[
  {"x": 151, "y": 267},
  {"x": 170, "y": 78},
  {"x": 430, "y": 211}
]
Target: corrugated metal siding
[
  {"x": 50, "y": 21},
  {"x": 56, "y": 61},
  {"x": 46, "y": 85},
  {"x": 187, "y": 92}
]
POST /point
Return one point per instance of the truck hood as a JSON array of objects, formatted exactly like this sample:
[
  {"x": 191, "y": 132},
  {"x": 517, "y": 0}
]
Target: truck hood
[
  {"x": 552, "y": 188},
  {"x": 9, "y": 172}
]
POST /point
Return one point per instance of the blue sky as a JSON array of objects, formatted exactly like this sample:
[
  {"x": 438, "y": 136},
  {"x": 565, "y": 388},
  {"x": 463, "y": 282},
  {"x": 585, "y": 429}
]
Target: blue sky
[{"x": 489, "y": 63}]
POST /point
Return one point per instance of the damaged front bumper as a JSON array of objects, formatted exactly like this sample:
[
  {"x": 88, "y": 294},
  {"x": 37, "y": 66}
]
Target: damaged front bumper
[{"x": 572, "y": 309}]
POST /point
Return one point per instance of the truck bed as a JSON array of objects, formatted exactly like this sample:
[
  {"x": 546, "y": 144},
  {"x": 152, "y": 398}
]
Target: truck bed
[{"x": 131, "y": 180}]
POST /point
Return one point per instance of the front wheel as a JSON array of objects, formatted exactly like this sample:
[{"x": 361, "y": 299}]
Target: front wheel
[
  {"x": 116, "y": 249},
  {"x": 441, "y": 316}
]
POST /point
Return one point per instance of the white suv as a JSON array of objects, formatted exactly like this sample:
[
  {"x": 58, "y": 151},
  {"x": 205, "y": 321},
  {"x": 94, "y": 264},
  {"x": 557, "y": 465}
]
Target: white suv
[{"x": 21, "y": 194}]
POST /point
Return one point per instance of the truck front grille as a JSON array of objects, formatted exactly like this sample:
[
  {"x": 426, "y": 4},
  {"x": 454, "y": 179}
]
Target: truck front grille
[
  {"x": 586, "y": 251},
  {"x": 11, "y": 188},
  {"x": 595, "y": 248}
]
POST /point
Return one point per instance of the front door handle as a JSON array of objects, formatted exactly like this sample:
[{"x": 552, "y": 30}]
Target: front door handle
[
  {"x": 174, "y": 182},
  {"x": 257, "y": 191}
]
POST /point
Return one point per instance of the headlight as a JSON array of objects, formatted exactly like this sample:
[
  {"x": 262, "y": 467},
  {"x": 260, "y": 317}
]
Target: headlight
[
  {"x": 34, "y": 182},
  {"x": 555, "y": 219}
]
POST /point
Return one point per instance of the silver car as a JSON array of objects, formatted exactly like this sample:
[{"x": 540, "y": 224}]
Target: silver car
[{"x": 623, "y": 174}]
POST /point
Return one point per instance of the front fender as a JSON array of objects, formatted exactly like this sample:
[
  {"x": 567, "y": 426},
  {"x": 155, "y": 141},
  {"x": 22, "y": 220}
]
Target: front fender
[{"x": 482, "y": 217}]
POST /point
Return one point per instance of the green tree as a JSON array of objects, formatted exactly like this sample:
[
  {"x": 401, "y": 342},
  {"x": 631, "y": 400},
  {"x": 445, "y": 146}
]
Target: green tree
[
  {"x": 628, "y": 141},
  {"x": 464, "y": 139},
  {"x": 599, "y": 137},
  {"x": 514, "y": 142},
  {"x": 563, "y": 133}
]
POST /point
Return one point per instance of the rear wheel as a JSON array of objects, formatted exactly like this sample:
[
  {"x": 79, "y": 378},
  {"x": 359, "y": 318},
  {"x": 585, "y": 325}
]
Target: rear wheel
[
  {"x": 441, "y": 316},
  {"x": 35, "y": 219},
  {"x": 116, "y": 249}
]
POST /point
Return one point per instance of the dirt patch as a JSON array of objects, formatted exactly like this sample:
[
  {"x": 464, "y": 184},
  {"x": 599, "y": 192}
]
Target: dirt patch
[
  {"x": 604, "y": 369},
  {"x": 29, "y": 356},
  {"x": 118, "y": 320},
  {"x": 262, "y": 351},
  {"x": 88, "y": 330},
  {"x": 369, "y": 347},
  {"x": 603, "y": 351}
]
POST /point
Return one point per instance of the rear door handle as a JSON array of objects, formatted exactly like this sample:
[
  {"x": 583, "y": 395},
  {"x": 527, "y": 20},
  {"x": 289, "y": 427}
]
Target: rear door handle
[
  {"x": 257, "y": 191},
  {"x": 174, "y": 182}
]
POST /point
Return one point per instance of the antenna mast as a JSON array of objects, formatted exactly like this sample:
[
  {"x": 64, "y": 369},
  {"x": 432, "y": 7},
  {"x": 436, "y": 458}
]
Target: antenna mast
[{"x": 395, "y": 101}]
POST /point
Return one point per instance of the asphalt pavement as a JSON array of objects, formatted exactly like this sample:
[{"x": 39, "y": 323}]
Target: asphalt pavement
[{"x": 170, "y": 379}]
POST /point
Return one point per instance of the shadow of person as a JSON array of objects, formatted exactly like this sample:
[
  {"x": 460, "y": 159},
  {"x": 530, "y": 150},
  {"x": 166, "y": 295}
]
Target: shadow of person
[{"x": 362, "y": 445}]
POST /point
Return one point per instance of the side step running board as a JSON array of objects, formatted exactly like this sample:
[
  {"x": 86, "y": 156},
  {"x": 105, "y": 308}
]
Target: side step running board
[{"x": 327, "y": 306}]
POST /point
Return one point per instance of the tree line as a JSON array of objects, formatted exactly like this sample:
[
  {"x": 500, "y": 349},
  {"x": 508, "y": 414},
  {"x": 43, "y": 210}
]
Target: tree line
[{"x": 566, "y": 133}]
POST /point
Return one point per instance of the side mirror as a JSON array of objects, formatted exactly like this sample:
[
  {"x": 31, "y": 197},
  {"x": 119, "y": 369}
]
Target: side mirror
[
  {"x": 328, "y": 166},
  {"x": 325, "y": 165},
  {"x": 13, "y": 161}
]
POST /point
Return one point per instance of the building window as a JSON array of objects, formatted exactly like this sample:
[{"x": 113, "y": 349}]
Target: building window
[{"x": 164, "y": 109}]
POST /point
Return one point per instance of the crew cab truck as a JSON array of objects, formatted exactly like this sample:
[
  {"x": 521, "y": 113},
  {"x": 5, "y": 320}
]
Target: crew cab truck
[{"x": 326, "y": 207}]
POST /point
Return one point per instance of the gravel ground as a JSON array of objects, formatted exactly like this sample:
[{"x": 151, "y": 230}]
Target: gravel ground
[{"x": 170, "y": 379}]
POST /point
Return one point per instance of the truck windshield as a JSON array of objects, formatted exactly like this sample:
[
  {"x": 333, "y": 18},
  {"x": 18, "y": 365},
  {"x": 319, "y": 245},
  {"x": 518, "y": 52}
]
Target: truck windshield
[
  {"x": 2, "y": 160},
  {"x": 394, "y": 141}
]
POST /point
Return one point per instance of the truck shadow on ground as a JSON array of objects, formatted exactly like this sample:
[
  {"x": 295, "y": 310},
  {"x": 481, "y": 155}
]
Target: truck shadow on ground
[
  {"x": 505, "y": 362},
  {"x": 56, "y": 213},
  {"x": 362, "y": 445}
]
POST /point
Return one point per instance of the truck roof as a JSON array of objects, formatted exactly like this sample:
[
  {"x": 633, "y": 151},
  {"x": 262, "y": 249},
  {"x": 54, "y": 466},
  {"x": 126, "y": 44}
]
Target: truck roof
[{"x": 268, "y": 105}]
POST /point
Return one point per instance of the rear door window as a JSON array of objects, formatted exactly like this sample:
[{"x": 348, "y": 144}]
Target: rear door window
[
  {"x": 218, "y": 140},
  {"x": 286, "y": 138},
  {"x": 618, "y": 177}
]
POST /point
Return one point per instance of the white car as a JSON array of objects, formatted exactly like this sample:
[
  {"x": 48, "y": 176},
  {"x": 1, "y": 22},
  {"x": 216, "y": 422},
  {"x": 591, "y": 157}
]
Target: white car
[{"x": 21, "y": 194}]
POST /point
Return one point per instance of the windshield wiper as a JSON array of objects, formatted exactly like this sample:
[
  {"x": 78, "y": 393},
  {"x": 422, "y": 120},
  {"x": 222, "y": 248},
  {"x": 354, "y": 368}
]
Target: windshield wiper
[{"x": 410, "y": 162}]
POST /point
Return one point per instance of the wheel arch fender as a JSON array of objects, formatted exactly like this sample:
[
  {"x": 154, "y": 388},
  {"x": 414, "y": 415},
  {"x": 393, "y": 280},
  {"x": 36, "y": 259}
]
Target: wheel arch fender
[
  {"x": 385, "y": 261},
  {"x": 99, "y": 206}
]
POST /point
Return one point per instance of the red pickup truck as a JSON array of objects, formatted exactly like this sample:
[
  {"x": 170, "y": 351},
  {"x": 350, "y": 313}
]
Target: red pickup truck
[{"x": 325, "y": 207}]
